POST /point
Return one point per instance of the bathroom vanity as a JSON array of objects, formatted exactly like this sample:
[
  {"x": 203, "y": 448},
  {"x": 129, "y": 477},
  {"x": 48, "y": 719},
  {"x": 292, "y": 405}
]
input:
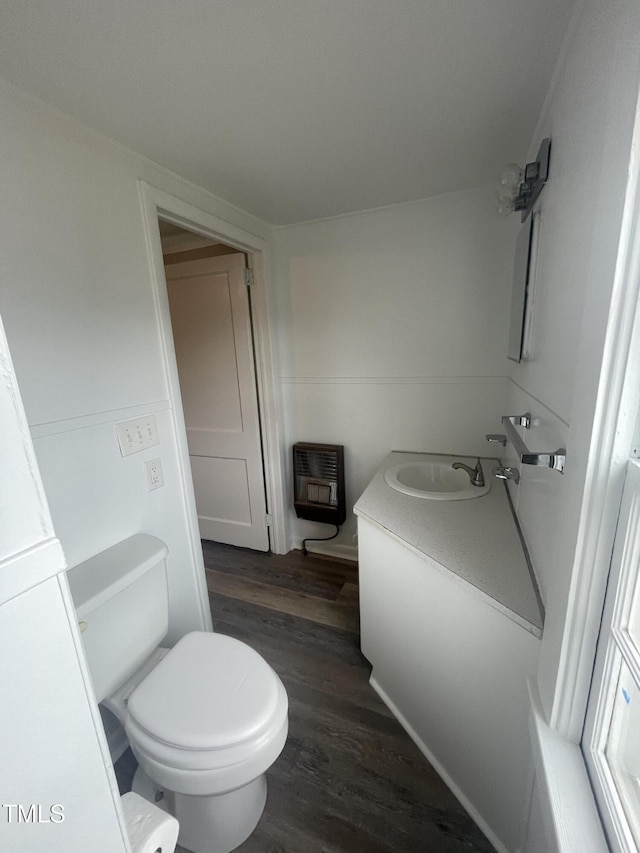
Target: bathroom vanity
[{"x": 451, "y": 622}]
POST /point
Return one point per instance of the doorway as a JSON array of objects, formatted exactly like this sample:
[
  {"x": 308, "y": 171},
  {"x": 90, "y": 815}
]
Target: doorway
[
  {"x": 157, "y": 204},
  {"x": 208, "y": 288}
]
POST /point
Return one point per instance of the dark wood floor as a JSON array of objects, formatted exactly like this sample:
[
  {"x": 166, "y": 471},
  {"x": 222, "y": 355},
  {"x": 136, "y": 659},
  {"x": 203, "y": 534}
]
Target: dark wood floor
[{"x": 349, "y": 779}]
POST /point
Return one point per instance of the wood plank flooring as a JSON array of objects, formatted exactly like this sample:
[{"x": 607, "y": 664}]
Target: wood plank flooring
[{"x": 349, "y": 778}]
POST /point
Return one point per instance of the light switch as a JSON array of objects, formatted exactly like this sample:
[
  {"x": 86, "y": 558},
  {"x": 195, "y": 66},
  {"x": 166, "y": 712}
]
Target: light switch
[{"x": 137, "y": 435}]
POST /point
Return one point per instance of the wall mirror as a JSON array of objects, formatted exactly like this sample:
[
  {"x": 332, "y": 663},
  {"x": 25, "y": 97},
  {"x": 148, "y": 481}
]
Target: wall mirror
[{"x": 523, "y": 290}]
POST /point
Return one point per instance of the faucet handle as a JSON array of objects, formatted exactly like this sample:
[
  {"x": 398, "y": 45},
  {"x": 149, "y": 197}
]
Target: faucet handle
[
  {"x": 506, "y": 473},
  {"x": 498, "y": 439},
  {"x": 478, "y": 474}
]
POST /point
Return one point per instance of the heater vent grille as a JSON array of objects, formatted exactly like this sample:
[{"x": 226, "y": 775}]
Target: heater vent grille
[
  {"x": 321, "y": 463},
  {"x": 318, "y": 474}
]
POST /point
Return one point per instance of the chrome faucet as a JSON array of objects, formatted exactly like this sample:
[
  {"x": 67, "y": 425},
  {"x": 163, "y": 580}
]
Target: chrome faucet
[{"x": 476, "y": 474}]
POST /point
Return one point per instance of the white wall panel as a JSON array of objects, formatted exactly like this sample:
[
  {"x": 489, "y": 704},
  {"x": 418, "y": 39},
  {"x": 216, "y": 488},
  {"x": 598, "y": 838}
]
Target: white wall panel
[
  {"x": 589, "y": 115},
  {"x": 540, "y": 495},
  {"x": 53, "y": 753},
  {"x": 413, "y": 290},
  {"x": 76, "y": 292},
  {"x": 99, "y": 497},
  {"x": 396, "y": 331},
  {"x": 78, "y": 305},
  {"x": 51, "y": 743},
  {"x": 23, "y": 506},
  {"x": 372, "y": 418}
]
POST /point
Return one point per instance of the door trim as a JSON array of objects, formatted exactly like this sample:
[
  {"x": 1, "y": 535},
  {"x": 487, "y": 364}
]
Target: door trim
[{"x": 155, "y": 203}]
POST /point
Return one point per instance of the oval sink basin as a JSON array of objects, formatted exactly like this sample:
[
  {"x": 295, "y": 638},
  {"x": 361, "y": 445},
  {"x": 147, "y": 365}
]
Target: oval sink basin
[{"x": 437, "y": 481}]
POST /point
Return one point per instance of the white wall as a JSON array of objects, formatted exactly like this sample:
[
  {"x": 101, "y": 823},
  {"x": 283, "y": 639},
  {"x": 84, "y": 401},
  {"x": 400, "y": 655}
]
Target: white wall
[
  {"x": 57, "y": 757},
  {"x": 589, "y": 115},
  {"x": 77, "y": 300},
  {"x": 395, "y": 332}
]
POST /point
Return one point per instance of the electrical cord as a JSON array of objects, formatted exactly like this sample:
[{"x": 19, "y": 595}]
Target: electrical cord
[{"x": 315, "y": 539}]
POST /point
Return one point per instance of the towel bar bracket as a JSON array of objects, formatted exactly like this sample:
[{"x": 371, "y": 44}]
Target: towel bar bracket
[
  {"x": 497, "y": 438},
  {"x": 518, "y": 420},
  {"x": 555, "y": 460}
]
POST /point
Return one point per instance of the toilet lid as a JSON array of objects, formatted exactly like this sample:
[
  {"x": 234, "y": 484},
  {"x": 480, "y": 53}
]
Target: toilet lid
[{"x": 209, "y": 692}]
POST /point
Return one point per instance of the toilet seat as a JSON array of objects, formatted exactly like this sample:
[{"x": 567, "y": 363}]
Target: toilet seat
[{"x": 212, "y": 714}]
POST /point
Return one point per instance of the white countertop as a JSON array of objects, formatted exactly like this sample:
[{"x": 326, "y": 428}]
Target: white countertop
[{"x": 478, "y": 540}]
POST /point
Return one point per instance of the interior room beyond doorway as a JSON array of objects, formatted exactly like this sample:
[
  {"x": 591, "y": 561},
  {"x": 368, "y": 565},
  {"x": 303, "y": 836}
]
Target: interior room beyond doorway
[{"x": 208, "y": 287}]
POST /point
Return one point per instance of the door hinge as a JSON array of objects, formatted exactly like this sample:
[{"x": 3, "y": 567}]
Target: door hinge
[
  {"x": 268, "y": 520},
  {"x": 248, "y": 278}
]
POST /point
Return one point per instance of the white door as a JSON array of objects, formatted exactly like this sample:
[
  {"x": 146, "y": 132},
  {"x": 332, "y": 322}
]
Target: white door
[{"x": 210, "y": 316}]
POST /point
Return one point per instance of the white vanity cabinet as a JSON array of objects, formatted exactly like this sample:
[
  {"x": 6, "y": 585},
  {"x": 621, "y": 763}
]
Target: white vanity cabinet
[{"x": 449, "y": 661}]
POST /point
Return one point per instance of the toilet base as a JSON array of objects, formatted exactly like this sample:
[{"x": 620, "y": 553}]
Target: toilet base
[
  {"x": 213, "y": 824},
  {"x": 220, "y": 823}
]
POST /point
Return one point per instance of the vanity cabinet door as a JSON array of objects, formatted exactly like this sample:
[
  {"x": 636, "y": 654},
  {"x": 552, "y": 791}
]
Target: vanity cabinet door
[{"x": 453, "y": 671}]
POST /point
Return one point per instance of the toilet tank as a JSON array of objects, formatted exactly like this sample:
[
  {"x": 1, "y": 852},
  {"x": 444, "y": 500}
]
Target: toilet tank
[{"x": 121, "y": 601}]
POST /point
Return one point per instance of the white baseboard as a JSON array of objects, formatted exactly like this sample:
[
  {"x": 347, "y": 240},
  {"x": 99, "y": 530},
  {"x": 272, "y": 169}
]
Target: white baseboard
[
  {"x": 440, "y": 770},
  {"x": 329, "y": 549}
]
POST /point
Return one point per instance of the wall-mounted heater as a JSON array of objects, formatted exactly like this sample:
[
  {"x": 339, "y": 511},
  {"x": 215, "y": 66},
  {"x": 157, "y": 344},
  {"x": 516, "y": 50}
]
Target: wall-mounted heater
[{"x": 318, "y": 482}]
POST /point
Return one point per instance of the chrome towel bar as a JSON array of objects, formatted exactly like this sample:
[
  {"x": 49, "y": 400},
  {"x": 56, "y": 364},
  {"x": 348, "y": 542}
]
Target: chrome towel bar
[{"x": 555, "y": 460}]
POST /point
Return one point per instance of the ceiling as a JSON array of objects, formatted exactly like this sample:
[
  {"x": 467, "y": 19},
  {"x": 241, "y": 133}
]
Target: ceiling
[{"x": 298, "y": 109}]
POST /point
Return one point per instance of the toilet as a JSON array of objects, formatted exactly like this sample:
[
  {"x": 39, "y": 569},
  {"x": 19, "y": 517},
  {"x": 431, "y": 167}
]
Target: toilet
[{"x": 205, "y": 719}]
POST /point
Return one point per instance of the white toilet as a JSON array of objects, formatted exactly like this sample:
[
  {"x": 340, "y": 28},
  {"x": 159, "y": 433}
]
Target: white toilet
[{"x": 205, "y": 719}]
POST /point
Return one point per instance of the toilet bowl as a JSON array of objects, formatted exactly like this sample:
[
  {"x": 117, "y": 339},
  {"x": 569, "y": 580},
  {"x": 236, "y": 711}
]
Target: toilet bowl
[
  {"x": 205, "y": 722},
  {"x": 205, "y": 719}
]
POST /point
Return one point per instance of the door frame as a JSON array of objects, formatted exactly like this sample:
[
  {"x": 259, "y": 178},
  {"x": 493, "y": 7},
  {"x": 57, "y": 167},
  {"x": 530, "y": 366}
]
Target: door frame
[{"x": 157, "y": 203}]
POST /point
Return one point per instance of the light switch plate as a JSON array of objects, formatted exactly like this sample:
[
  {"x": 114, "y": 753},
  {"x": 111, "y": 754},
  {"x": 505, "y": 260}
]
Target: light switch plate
[{"x": 137, "y": 434}]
